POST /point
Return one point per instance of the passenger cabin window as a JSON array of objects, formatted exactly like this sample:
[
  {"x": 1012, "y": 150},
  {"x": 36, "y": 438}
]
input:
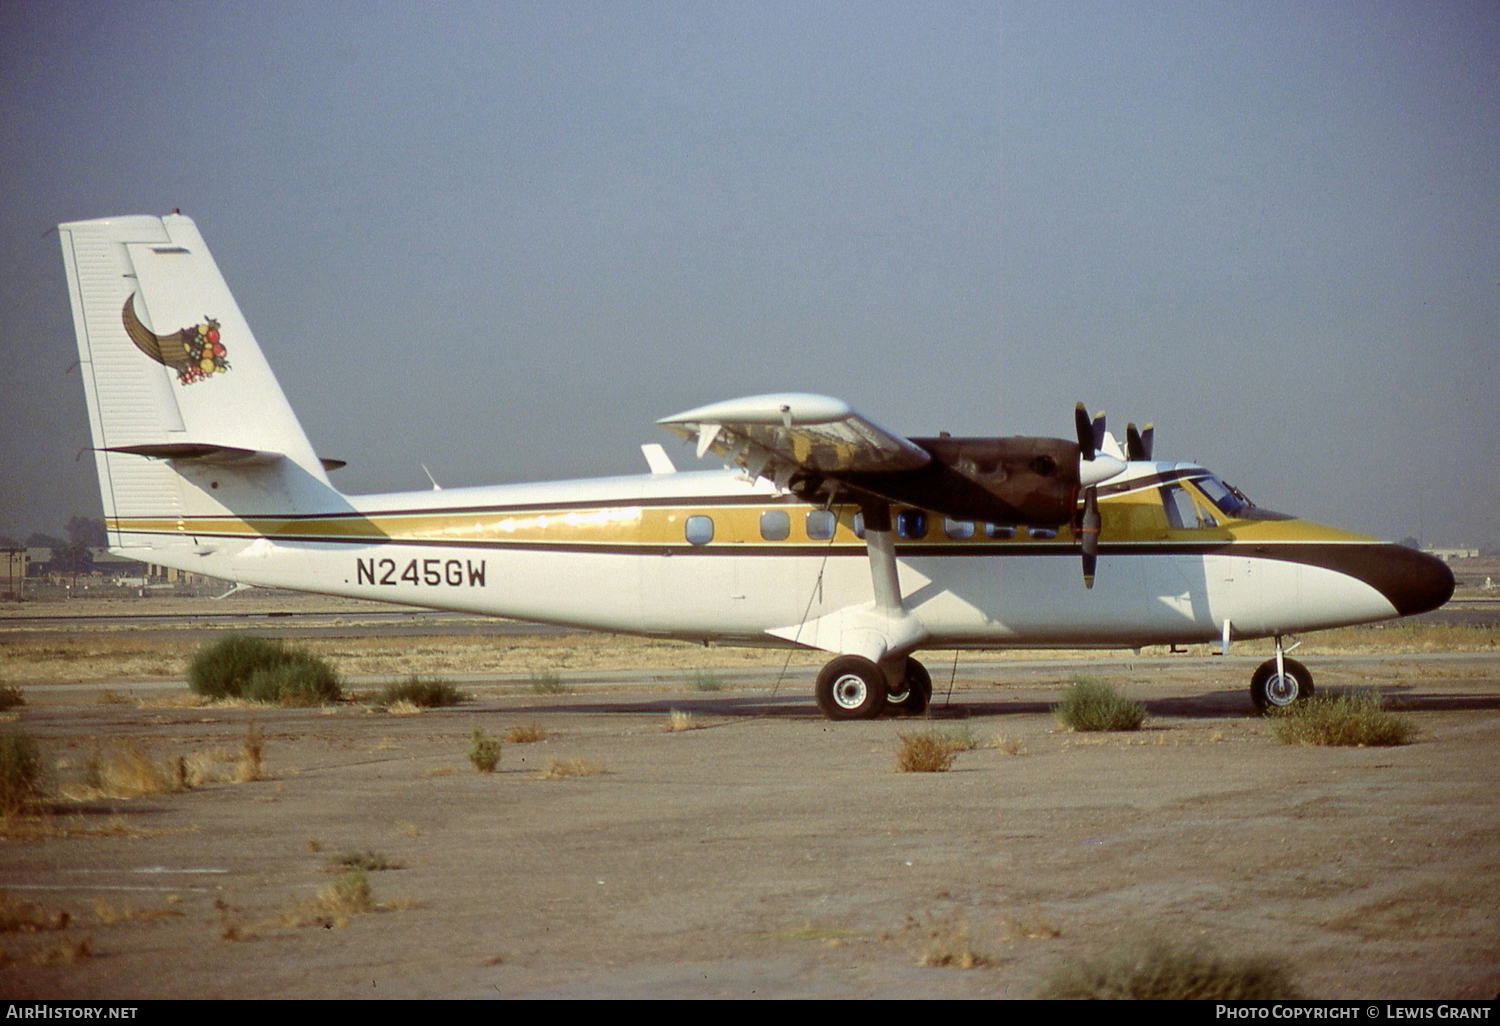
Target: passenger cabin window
[
  {"x": 958, "y": 528},
  {"x": 911, "y": 524},
  {"x": 699, "y": 530},
  {"x": 820, "y": 524},
  {"x": 1042, "y": 533},
  {"x": 775, "y": 525},
  {"x": 1001, "y": 531},
  {"x": 1181, "y": 511}
]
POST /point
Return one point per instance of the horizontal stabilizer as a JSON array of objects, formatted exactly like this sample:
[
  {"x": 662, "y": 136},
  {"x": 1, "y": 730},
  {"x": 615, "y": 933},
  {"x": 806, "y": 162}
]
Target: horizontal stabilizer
[{"x": 202, "y": 452}]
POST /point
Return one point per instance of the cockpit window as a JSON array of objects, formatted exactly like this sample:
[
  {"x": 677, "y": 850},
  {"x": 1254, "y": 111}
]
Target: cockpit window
[
  {"x": 1229, "y": 500},
  {"x": 1181, "y": 511}
]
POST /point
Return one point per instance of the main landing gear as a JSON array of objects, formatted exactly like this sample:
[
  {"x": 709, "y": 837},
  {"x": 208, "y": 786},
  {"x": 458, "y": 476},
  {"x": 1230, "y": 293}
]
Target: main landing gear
[
  {"x": 1280, "y": 683},
  {"x": 852, "y": 687}
]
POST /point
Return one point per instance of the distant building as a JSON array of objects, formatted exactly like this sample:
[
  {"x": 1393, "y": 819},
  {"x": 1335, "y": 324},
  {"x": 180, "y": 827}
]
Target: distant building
[{"x": 1449, "y": 555}]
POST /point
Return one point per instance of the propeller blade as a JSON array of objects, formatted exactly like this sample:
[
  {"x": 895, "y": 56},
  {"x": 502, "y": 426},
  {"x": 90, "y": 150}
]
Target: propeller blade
[
  {"x": 1089, "y": 534},
  {"x": 1138, "y": 441},
  {"x": 1098, "y": 430},
  {"x": 1085, "y": 430}
]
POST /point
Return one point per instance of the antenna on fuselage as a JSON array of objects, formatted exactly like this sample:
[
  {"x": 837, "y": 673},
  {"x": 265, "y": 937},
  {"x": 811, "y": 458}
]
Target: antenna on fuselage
[{"x": 435, "y": 486}]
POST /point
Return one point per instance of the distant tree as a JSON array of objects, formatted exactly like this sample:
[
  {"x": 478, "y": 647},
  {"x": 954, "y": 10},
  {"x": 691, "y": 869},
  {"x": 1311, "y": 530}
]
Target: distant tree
[
  {"x": 72, "y": 558},
  {"x": 39, "y": 540},
  {"x": 7, "y": 542},
  {"x": 1410, "y": 542},
  {"x": 87, "y": 531}
]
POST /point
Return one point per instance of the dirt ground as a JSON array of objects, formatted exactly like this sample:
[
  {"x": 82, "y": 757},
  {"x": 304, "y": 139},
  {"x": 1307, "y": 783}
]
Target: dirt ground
[{"x": 766, "y": 852}]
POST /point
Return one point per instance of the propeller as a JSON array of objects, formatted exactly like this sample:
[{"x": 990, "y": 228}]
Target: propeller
[
  {"x": 1090, "y": 432},
  {"x": 1089, "y": 534},
  {"x": 1093, "y": 468},
  {"x": 1138, "y": 442}
]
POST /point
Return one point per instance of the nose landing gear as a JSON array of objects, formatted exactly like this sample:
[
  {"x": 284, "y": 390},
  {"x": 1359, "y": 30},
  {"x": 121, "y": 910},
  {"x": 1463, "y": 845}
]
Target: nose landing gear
[{"x": 1280, "y": 683}]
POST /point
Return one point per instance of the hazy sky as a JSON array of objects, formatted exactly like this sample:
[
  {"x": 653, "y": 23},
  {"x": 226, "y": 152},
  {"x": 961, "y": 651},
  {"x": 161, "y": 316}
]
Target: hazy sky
[{"x": 502, "y": 239}]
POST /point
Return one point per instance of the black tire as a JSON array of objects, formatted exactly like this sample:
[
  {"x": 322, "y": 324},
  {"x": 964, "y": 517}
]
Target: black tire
[
  {"x": 1269, "y": 693},
  {"x": 851, "y": 688},
  {"x": 916, "y": 693}
]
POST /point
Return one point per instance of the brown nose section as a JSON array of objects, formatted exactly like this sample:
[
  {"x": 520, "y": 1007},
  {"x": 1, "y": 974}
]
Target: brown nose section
[{"x": 1413, "y": 581}]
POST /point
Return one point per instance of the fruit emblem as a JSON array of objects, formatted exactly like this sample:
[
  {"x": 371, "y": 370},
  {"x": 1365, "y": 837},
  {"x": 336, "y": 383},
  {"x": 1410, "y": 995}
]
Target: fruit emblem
[{"x": 194, "y": 353}]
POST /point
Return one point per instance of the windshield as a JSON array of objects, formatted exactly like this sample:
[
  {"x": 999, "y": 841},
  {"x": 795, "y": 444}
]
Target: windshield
[{"x": 1231, "y": 501}]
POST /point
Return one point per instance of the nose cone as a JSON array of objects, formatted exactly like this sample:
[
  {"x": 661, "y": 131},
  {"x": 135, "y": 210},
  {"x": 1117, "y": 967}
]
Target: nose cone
[{"x": 1413, "y": 581}]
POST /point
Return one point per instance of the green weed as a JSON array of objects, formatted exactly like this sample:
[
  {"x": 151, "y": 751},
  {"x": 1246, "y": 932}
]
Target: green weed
[{"x": 1090, "y": 703}]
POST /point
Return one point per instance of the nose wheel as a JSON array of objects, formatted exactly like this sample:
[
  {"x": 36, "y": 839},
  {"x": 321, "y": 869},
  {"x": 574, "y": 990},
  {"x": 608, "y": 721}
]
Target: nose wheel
[{"x": 1271, "y": 688}]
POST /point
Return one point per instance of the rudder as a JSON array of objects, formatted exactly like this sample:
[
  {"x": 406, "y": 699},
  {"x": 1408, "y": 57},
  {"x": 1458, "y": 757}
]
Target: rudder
[{"x": 187, "y": 419}]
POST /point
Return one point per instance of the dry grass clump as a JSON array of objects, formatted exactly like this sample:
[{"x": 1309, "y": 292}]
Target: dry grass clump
[
  {"x": 525, "y": 734},
  {"x": 948, "y": 946},
  {"x": 677, "y": 720},
  {"x": 1091, "y": 703},
  {"x": 219, "y": 765},
  {"x": 127, "y": 771},
  {"x": 1158, "y": 971},
  {"x": 108, "y": 914},
  {"x": 10, "y": 697},
  {"x": 20, "y": 772},
  {"x": 368, "y": 861},
  {"x": 929, "y": 751},
  {"x": 1347, "y": 720},
  {"x": 484, "y": 751},
  {"x": 262, "y": 670},
  {"x": 340, "y": 901},
  {"x": 547, "y": 682},
  {"x": 17, "y": 916},
  {"x": 61, "y": 953},
  {"x": 559, "y": 768},
  {"x": 421, "y": 692},
  {"x": 252, "y": 752},
  {"x": 401, "y": 707}
]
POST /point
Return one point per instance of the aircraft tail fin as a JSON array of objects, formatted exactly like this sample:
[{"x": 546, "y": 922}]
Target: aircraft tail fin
[{"x": 187, "y": 419}]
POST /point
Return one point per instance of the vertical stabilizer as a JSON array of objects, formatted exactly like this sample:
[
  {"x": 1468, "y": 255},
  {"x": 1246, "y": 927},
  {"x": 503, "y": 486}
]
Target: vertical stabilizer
[{"x": 187, "y": 418}]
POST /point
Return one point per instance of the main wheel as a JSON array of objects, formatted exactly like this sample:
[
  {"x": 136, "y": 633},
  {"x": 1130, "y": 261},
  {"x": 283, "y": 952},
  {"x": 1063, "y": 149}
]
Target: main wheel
[
  {"x": 1268, "y": 690},
  {"x": 915, "y": 694},
  {"x": 851, "y": 688}
]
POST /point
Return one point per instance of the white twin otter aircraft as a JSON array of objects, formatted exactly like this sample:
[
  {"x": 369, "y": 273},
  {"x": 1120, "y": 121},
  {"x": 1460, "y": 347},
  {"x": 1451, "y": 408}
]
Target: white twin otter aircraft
[{"x": 823, "y": 531}]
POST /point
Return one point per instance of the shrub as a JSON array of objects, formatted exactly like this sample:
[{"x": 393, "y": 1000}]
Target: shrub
[
  {"x": 20, "y": 772},
  {"x": 300, "y": 681},
  {"x": 10, "y": 697},
  {"x": 1093, "y": 704},
  {"x": 927, "y": 751},
  {"x": 423, "y": 692},
  {"x": 1158, "y": 971},
  {"x": 262, "y": 669},
  {"x": 706, "y": 680},
  {"x": 525, "y": 733},
  {"x": 1341, "y": 720},
  {"x": 484, "y": 751}
]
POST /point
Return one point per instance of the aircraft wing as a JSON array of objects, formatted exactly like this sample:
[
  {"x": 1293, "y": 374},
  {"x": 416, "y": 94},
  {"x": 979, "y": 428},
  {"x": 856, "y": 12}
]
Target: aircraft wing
[{"x": 774, "y": 436}]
